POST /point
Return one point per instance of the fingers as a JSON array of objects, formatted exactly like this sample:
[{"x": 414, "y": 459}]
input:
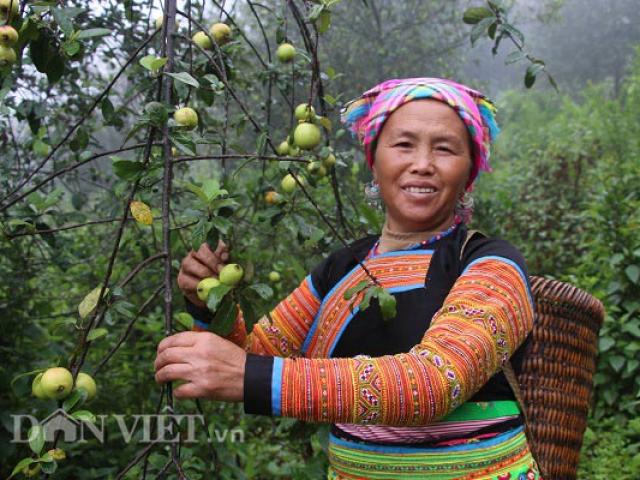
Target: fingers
[
  {"x": 172, "y": 355},
  {"x": 222, "y": 251},
  {"x": 192, "y": 265},
  {"x": 174, "y": 372},
  {"x": 188, "y": 390},
  {"x": 205, "y": 256},
  {"x": 182, "y": 339}
]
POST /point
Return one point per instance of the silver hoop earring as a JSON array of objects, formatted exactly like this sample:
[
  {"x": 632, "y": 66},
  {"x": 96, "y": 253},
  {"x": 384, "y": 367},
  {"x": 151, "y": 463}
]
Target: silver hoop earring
[{"x": 372, "y": 193}]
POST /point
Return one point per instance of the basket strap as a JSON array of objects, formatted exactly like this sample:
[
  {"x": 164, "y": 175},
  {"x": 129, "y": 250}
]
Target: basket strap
[{"x": 510, "y": 375}]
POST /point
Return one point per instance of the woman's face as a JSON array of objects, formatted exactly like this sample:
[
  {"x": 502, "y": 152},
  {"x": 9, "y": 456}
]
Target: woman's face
[{"x": 422, "y": 163}]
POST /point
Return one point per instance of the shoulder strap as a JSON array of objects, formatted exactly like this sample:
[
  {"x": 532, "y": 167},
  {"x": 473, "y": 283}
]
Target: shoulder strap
[{"x": 511, "y": 377}]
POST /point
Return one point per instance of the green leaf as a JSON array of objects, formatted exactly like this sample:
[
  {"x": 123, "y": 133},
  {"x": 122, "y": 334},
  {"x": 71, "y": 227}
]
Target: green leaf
[
  {"x": 153, "y": 63},
  {"x": 348, "y": 295},
  {"x": 158, "y": 113},
  {"x": 184, "y": 319},
  {"x": 184, "y": 77},
  {"x": 49, "y": 467},
  {"x": 216, "y": 295},
  {"x": 514, "y": 32},
  {"x": 474, "y": 15},
  {"x": 387, "y": 304},
  {"x": 84, "y": 415},
  {"x": 36, "y": 439},
  {"x": 63, "y": 19},
  {"x": 225, "y": 317},
  {"x": 212, "y": 190},
  {"x": 90, "y": 301},
  {"x": 261, "y": 141},
  {"x": 263, "y": 290},
  {"x": 248, "y": 312},
  {"x": 323, "y": 22},
  {"x": 73, "y": 399},
  {"x": 514, "y": 57},
  {"x": 221, "y": 224},
  {"x": 94, "y": 32},
  {"x": 366, "y": 300},
  {"x": 480, "y": 28},
  {"x": 198, "y": 191},
  {"x": 633, "y": 273},
  {"x": 532, "y": 72},
  {"x": 127, "y": 169},
  {"x": 199, "y": 233},
  {"x": 616, "y": 362},
  {"x": 605, "y": 343},
  {"x": 22, "y": 465},
  {"x": 97, "y": 333}
]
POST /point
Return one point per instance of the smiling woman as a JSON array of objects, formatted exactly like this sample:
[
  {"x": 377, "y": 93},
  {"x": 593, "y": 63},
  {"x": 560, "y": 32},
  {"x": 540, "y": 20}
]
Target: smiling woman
[{"x": 422, "y": 395}]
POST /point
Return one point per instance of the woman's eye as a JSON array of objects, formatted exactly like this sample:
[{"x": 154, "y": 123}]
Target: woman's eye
[
  {"x": 403, "y": 145},
  {"x": 444, "y": 149}
]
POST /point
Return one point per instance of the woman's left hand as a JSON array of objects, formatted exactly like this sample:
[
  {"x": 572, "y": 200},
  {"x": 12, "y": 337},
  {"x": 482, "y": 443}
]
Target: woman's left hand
[{"x": 212, "y": 366}]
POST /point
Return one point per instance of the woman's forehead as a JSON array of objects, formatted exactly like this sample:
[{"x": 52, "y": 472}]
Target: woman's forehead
[{"x": 419, "y": 116}]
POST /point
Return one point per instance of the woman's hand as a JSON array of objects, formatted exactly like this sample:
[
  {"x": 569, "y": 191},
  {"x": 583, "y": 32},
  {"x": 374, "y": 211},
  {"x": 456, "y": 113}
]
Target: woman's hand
[
  {"x": 198, "y": 265},
  {"x": 212, "y": 366}
]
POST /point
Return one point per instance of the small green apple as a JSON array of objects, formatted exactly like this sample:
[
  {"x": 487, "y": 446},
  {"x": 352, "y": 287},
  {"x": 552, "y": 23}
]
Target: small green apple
[
  {"x": 289, "y": 183},
  {"x": 294, "y": 151},
  {"x": 220, "y": 32},
  {"x": 313, "y": 167},
  {"x": 36, "y": 387},
  {"x": 9, "y": 9},
  {"x": 32, "y": 470},
  {"x": 329, "y": 161},
  {"x": 86, "y": 382},
  {"x": 204, "y": 287},
  {"x": 307, "y": 136},
  {"x": 304, "y": 112},
  {"x": 274, "y": 277},
  {"x": 7, "y": 56},
  {"x": 186, "y": 117},
  {"x": 159, "y": 20},
  {"x": 202, "y": 40},
  {"x": 56, "y": 383},
  {"x": 272, "y": 198},
  {"x": 8, "y": 35},
  {"x": 285, "y": 52},
  {"x": 57, "y": 453},
  {"x": 283, "y": 148},
  {"x": 231, "y": 274}
]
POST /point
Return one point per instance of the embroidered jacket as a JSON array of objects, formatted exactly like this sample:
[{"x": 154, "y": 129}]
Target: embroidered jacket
[{"x": 318, "y": 358}]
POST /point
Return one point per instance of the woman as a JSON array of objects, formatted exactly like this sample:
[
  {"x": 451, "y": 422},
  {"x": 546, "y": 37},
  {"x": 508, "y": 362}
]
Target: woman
[{"x": 421, "y": 395}]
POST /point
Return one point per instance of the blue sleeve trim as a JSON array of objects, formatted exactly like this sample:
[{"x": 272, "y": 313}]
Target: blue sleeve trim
[
  {"x": 201, "y": 324},
  {"x": 276, "y": 387},
  {"x": 510, "y": 262}
]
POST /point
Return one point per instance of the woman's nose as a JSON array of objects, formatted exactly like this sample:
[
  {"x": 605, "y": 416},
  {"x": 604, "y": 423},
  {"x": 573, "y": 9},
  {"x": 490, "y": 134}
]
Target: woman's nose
[{"x": 423, "y": 162}]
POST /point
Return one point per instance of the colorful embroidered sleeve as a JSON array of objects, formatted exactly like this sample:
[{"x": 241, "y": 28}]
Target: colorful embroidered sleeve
[
  {"x": 283, "y": 330},
  {"x": 486, "y": 316}
]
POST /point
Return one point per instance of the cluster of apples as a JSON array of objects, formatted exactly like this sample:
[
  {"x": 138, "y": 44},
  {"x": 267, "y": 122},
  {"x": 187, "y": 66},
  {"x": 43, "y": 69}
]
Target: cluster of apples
[
  {"x": 230, "y": 276},
  {"x": 57, "y": 383},
  {"x": 8, "y": 34},
  {"x": 221, "y": 33}
]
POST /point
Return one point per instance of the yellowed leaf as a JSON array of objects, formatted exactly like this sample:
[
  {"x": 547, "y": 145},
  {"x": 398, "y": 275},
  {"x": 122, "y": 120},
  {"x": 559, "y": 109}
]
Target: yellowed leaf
[
  {"x": 89, "y": 302},
  {"x": 325, "y": 122},
  {"x": 141, "y": 212}
]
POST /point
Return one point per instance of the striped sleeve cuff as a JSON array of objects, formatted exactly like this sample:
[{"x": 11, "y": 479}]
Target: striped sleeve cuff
[{"x": 258, "y": 381}]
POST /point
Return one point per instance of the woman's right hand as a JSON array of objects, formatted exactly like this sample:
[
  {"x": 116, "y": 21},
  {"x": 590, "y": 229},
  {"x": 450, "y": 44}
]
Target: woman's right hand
[{"x": 198, "y": 265}]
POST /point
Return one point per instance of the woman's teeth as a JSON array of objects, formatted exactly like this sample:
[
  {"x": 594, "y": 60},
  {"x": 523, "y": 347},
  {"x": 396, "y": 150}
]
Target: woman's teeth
[{"x": 420, "y": 190}]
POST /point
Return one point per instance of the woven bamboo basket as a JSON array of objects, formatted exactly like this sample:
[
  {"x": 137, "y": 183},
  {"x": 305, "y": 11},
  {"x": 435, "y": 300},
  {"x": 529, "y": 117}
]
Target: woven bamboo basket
[{"x": 556, "y": 378}]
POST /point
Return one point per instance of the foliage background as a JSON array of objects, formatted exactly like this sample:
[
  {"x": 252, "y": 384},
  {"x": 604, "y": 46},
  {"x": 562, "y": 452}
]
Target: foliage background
[{"x": 564, "y": 190}]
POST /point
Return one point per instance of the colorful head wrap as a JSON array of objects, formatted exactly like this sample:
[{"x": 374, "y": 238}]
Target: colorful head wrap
[{"x": 365, "y": 116}]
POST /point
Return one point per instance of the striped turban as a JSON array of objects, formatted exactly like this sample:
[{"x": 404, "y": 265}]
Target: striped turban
[{"x": 365, "y": 116}]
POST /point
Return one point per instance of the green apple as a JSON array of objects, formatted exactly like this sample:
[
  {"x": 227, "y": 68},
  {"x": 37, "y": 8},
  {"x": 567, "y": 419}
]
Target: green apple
[
  {"x": 307, "y": 136},
  {"x": 294, "y": 151},
  {"x": 231, "y": 274},
  {"x": 86, "y": 382},
  {"x": 159, "y": 20},
  {"x": 32, "y": 470},
  {"x": 7, "y": 56},
  {"x": 274, "y": 276},
  {"x": 220, "y": 32},
  {"x": 329, "y": 161},
  {"x": 313, "y": 167},
  {"x": 289, "y": 183},
  {"x": 272, "y": 198},
  {"x": 8, "y": 35},
  {"x": 9, "y": 8},
  {"x": 304, "y": 112},
  {"x": 186, "y": 117},
  {"x": 57, "y": 453},
  {"x": 56, "y": 383},
  {"x": 36, "y": 387},
  {"x": 283, "y": 148},
  {"x": 204, "y": 287},
  {"x": 285, "y": 52},
  {"x": 202, "y": 40}
]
